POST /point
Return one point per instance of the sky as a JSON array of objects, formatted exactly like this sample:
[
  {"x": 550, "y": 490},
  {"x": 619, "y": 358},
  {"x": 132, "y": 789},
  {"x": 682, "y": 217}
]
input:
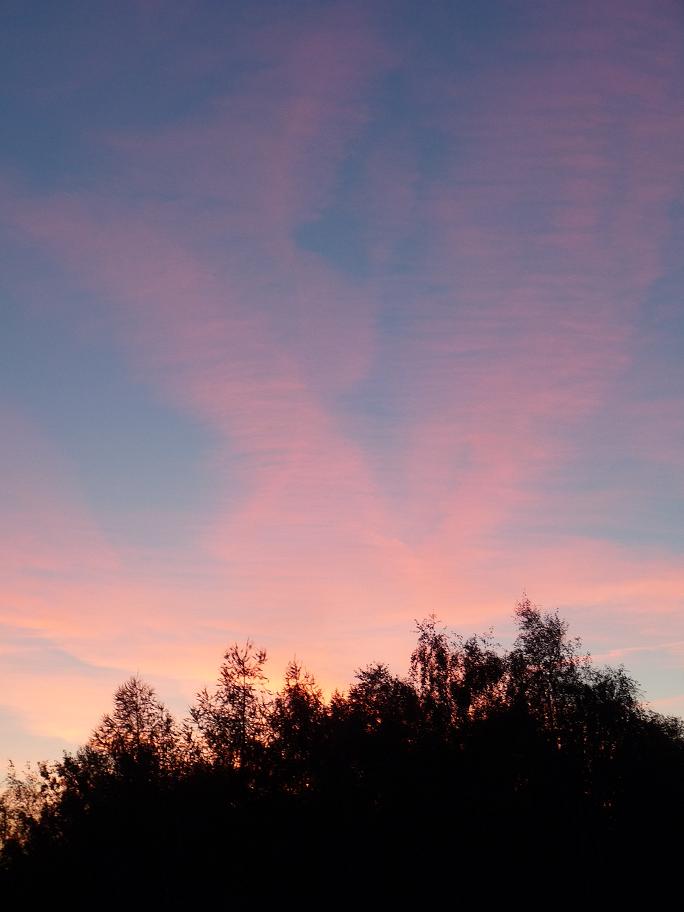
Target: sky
[{"x": 320, "y": 317}]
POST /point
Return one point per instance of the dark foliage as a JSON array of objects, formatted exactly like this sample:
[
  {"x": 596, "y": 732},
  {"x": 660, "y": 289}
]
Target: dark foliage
[{"x": 531, "y": 761}]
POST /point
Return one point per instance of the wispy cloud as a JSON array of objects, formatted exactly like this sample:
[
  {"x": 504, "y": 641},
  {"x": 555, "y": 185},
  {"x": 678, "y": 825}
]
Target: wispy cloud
[{"x": 427, "y": 422}]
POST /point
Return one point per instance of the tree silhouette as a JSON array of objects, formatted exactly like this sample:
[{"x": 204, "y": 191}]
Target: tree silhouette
[
  {"x": 294, "y": 724},
  {"x": 534, "y": 754},
  {"x": 546, "y": 665},
  {"x": 139, "y": 731},
  {"x": 231, "y": 720}
]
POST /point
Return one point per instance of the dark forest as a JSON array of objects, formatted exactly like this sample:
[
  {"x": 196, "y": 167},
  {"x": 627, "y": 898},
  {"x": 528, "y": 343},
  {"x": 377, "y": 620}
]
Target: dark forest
[{"x": 479, "y": 759}]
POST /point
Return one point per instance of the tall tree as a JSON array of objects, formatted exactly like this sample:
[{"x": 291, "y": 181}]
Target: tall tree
[
  {"x": 231, "y": 720},
  {"x": 139, "y": 729},
  {"x": 431, "y": 673},
  {"x": 546, "y": 666},
  {"x": 295, "y": 719}
]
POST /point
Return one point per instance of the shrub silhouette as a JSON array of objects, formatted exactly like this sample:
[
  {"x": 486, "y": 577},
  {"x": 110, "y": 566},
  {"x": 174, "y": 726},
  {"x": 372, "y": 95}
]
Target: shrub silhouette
[{"x": 478, "y": 754}]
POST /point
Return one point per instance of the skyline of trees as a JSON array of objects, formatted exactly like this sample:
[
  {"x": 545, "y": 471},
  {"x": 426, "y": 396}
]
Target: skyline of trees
[{"x": 531, "y": 740}]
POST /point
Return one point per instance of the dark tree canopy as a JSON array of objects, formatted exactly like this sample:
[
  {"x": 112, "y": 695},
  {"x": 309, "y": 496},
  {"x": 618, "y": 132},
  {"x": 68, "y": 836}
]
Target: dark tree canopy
[
  {"x": 479, "y": 757},
  {"x": 140, "y": 731}
]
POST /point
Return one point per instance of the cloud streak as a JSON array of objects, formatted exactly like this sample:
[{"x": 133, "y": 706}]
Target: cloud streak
[{"x": 401, "y": 297}]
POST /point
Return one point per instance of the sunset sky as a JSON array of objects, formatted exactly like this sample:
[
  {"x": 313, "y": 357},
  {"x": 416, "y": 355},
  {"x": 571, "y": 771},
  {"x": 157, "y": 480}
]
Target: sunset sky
[{"x": 319, "y": 317}]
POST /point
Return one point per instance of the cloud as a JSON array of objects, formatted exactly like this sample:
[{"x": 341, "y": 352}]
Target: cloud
[{"x": 409, "y": 436}]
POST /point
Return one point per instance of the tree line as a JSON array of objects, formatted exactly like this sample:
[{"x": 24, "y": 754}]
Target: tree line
[{"x": 477, "y": 757}]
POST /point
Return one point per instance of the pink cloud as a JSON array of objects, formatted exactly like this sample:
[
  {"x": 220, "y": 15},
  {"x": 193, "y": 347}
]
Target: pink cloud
[{"x": 534, "y": 250}]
